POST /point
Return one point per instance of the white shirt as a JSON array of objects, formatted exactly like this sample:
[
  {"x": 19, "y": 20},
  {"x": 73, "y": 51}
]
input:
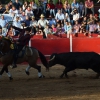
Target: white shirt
[
  {"x": 43, "y": 22},
  {"x": 59, "y": 16},
  {"x": 3, "y": 23},
  {"x": 33, "y": 23},
  {"x": 76, "y": 16},
  {"x": 13, "y": 12},
  {"x": 28, "y": 12},
  {"x": 17, "y": 24}
]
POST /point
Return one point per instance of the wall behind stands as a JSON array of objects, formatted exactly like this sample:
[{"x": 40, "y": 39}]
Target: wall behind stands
[{"x": 58, "y": 45}]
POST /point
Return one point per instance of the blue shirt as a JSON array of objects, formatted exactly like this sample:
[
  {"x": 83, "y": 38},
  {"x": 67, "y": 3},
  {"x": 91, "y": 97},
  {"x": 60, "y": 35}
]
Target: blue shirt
[{"x": 3, "y": 23}]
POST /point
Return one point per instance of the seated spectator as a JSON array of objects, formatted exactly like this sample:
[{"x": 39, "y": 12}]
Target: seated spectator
[
  {"x": 2, "y": 33},
  {"x": 92, "y": 28},
  {"x": 10, "y": 4},
  {"x": 20, "y": 11},
  {"x": 81, "y": 9},
  {"x": 33, "y": 5},
  {"x": 76, "y": 27},
  {"x": 59, "y": 17},
  {"x": 75, "y": 16},
  {"x": 44, "y": 6},
  {"x": 47, "y": 30},
  {"x": 59, "y": 5},
  {"x": 13, "y": 11},
  {"x": 68, "y": 28},
  {"x": 89, "y": 5},
  {"x": 83, "y": 25},
  {"x": 43, "y": 22},
  {"x": 17, "y": 4},
  {"x": 54, "y": 29},
  {"x": 75, "y": 5},
  {"x": 66, "y": 7},
  {"x": 25, "y": 5},
  {"x": 60, "y": 29},
  {"x": 67, "y": 18},
  {"x": 51, "y": 8},
  {"x": 6, "y": 9},
  {"x": 27, "y": 21},
  {"x": 10, "y": 33},
  {"x": 90, "y": 20},
  {"x": 98, "y": 29},
  {"x": 52, "y": 21},
  {"x": 22, "y": 16},
  {"x": 1, "y": 9},
  {"x": 17, "y": 23},
  {"x": 39, "y": 30},
  {"x": 29, "y": 11}
]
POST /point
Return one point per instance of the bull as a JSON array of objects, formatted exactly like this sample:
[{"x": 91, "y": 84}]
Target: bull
[{"x": 76, "y": 60}]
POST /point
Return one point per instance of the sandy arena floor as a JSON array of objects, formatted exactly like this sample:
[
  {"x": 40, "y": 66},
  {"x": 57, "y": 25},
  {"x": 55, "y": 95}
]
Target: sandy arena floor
[{"x": 23, "y": 87}]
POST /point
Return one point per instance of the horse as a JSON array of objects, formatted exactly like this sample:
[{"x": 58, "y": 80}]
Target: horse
[{"x": 30, "y": 55}]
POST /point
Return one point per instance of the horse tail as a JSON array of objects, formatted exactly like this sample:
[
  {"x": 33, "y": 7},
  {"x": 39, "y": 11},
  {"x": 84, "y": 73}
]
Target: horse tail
[{"x": 43, "y": 60}]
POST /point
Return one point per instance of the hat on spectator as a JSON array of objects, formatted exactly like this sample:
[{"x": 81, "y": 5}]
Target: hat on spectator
[
  {"x": 33, "y": 17},
  {"x": 42, "y": 15}
]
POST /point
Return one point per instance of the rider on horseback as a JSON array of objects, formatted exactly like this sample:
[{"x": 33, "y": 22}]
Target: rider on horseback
[{"x": 22, "y": 41}]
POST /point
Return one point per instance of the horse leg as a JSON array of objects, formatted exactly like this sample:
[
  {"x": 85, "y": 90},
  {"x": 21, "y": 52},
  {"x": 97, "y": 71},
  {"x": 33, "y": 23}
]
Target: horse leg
[
  {"x": 2, "y": 71},
  {"x": 8, "y": 73},
  {"x": 27, "y": 70},
  {"x": 39, "y": 71}
]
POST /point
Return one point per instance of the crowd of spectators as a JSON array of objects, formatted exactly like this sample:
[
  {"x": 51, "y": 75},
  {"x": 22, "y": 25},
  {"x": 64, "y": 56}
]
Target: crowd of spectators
[{"x": 48, "y": 18}]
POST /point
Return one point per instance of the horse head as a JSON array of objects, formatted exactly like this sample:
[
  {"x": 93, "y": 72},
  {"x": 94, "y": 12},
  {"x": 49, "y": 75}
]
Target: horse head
[{"x": 5, "y": 45}]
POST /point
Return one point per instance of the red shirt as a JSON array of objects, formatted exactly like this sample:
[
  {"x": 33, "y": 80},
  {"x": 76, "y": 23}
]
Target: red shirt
[
  {"x": 59, "y": 6},
  {"x": 89, "y": 4},
  {"x": 50, "y": 6}
]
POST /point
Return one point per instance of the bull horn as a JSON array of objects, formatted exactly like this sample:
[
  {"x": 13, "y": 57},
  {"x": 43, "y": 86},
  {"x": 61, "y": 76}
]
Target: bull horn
[{"x": 52, "y": 58}]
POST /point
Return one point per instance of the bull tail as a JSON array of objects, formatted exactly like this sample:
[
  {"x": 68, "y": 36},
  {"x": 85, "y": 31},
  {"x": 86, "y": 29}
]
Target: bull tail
[{"x": 43, "y": 60}]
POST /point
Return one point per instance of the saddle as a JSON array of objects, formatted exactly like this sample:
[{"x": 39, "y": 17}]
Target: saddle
[{"x": 25, "y": 51}]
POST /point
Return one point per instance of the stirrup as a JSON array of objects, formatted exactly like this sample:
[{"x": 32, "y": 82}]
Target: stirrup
[{"x": 14, "y": 65}]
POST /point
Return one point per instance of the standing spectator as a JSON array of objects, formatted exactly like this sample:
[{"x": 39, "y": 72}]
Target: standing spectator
[
  {"x": 89, "y": 5},
  {"x": 59, "y": 17},
  {"x": 51, "y": 8},
  {"x": 74, "y": 5},
  {"x": 17, "y": 4},
  {"x": 43, "y": 22}
]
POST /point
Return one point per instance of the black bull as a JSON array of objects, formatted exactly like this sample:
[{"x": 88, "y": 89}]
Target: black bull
[{"x": 74, "y": 60}]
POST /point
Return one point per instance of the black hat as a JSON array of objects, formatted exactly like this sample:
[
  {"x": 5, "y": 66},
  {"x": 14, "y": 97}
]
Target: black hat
[{"x": 28, "y": 29}]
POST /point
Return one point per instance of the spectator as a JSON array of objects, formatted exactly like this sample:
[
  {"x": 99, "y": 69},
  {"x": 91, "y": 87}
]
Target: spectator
[
  {"x": 10, "y": 4},
  {"x": 81, "y": 9},
  {"x": 89, "y": 5},
  {"x": 66, "y": 7},
  {"x": 27, "y": 21},
  {"x": 34, "y": 7},
  {"x": 20, "y": 10},
  {"x": 92, "y": 28},
  {"x": 75, "y": 16},
  {"x": 29, "y": 11},
  {"x": 59, "y": 5},
  {"x": 83, "y": 25},
  {"x": 13, "y": 11},
  {"x": 68, "y": 28},
  {"x": 1, "y": 9},
  {"x": 54, "y": 29},
  {"x": 2, "y": 33},
  {"x": 67, "y": 18},
  {"x": 59, "y": 17},
  {"x": 52, "y": 21},
  {"x": 42, "y": 22},
  {"x": 17, "y": 4},
  {"x": 51, "y": 8},
  {"x": 25, "y": 5},
  {"x": 6, "y": 9},
  {"x": 22, "y": 16},
  {"x": 75, "y": 5},
  {"x": 47, "y": 30},
  {"x": 98, "y": 29},
  {"x": 76, "y": 27}
]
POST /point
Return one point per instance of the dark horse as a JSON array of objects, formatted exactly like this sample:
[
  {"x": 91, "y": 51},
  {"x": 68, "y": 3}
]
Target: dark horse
[{"x": 30, "y": 55}]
